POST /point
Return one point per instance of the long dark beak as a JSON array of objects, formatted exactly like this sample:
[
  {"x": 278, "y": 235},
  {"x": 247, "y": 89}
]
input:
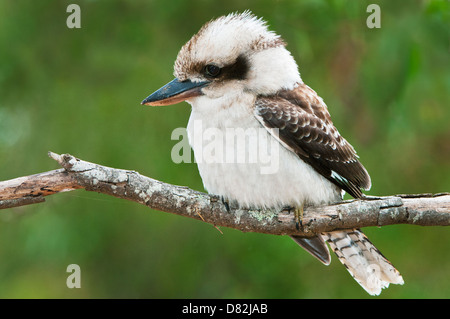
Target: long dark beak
[{"x": 174, "y": 92}]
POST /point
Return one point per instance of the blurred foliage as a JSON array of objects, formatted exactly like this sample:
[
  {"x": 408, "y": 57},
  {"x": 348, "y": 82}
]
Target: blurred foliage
[{"x": 78, "y": 91}]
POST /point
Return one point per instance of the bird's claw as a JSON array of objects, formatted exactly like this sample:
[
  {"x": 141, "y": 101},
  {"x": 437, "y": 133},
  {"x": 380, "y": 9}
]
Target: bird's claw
[
  {"x": 226, "y": 204},
  {"x": 298, "y": 217}
]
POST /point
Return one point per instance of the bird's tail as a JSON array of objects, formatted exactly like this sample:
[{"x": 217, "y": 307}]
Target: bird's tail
[{"x": 363, "y": 260}]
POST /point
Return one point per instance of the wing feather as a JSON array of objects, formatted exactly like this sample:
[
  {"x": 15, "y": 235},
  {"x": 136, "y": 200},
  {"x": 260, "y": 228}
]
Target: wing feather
[{"x": 305, "y": 127}]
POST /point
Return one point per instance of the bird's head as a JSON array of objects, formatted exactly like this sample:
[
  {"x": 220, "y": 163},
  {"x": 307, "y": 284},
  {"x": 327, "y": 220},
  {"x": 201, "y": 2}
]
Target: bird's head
[{"x": 229, "y": 56}]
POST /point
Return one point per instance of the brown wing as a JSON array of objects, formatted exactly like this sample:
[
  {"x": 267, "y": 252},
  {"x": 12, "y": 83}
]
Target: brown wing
[{"x": 305, "y": 127}]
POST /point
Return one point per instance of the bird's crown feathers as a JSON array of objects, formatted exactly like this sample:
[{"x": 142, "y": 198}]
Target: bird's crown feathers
[{"x": 227, "y": 37}]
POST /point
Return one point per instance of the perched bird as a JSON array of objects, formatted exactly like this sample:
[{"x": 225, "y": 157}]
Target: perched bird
[{"x": 237, "y": 74}]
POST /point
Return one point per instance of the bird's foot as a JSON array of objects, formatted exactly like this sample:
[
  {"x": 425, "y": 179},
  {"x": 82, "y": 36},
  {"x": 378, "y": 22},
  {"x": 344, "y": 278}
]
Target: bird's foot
[
  {"x": 226, "y": 204},
  {"x": 298, "y": 213}
]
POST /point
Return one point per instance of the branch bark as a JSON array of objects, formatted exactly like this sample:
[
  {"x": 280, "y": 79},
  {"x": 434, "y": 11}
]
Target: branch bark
[{"x": 420, "y": 209}]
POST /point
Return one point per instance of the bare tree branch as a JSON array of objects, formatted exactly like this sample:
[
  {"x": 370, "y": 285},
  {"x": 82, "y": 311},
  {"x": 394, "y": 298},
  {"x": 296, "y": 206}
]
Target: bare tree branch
[{"x": 421, "y": 209}]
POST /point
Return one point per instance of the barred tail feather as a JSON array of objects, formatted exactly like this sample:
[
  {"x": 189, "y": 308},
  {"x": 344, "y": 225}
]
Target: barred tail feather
[{"x": 363, "y": 260}]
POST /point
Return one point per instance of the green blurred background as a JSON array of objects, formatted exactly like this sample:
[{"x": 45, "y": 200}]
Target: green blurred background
[{"x": 78, "y": 91}]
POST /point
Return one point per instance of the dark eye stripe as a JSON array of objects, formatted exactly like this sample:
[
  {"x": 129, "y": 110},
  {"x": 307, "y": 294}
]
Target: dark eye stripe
[{"x": 236, "y": 71}]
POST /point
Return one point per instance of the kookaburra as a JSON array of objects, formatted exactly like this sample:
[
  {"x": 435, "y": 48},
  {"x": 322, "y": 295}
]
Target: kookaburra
[{"x": 237, "y": 74}]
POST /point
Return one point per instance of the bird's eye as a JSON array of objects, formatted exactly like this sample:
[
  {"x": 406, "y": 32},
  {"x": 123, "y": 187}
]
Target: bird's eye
[{"x": 212, "y": 70}]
